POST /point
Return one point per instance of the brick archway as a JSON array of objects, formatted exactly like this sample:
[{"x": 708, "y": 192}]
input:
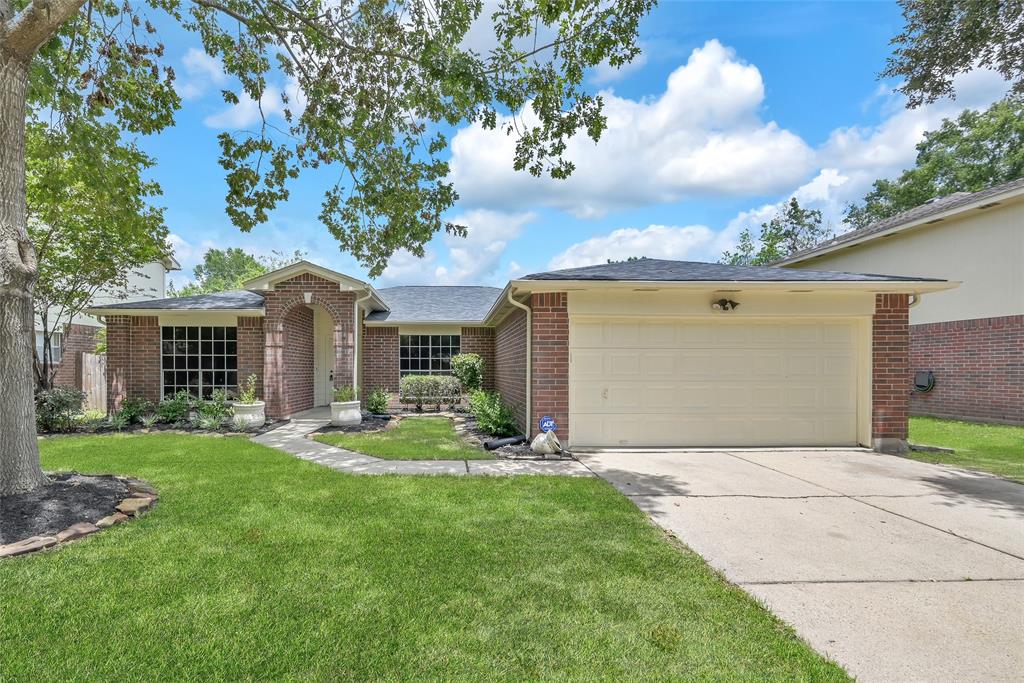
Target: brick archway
[{"x": 285, "y": 323}]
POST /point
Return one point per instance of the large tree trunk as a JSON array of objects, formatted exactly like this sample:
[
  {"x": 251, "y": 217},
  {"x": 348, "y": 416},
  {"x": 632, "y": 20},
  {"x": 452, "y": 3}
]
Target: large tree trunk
[{"x": 19, "y": 452}]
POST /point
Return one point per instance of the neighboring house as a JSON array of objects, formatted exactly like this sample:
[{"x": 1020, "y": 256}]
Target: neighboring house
[
  {"x": 635, "y": 354},
  {"x": 971, "y": 338},
  {"x": 67, "y": 346}
]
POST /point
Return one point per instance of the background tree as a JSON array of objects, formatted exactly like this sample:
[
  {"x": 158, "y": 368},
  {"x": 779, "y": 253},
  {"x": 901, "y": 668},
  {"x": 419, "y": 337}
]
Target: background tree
[
  {"x": 90, "y": 222},
  {"x": 378, "y": 81},
  {"x": 227, "y": 269},
  {"x": 944, "y": 38},
  {"x": 970, "y": 153},
  {"x": 792, "y": 229}
]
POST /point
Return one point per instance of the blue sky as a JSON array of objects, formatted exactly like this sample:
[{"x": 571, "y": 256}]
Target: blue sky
[{"x": 732, "y": 108}]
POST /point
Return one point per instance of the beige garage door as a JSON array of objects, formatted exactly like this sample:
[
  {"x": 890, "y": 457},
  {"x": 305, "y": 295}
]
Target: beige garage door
[{"x": 694, "y": 383}]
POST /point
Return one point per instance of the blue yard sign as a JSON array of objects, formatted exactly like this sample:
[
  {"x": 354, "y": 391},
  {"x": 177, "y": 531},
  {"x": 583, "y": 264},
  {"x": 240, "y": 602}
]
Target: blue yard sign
[{"x": 547, "y": 424}]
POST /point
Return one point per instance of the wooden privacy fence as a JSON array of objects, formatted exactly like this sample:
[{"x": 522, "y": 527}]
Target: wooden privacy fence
[{"x": 94, "y": 381}]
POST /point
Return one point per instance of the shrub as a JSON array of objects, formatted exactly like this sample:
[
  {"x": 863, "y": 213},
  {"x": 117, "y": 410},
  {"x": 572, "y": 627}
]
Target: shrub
[
  {"x": 134, "y": 408},
  {"x": 248, "y": 393},
  {"x": 377, "y": 401},
  {"x": 345, "y": 394},
  {"x": 209, "y": 422},
  {"x": 492, "y": 416},
  {"x": 57, "y": 408},
  {"x": 118, "y": 421},
  {"x": 469, "y": 369},
  {"x": 216, "y": 407},
  {"x": 174, "y": 408},
  {"x": 148, "y": 420},
  {"x": 432, "y": 389}
]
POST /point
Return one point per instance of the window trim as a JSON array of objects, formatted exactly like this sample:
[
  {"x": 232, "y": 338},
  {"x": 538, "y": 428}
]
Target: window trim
[
  {"x": 454, "y": 347},
  {"x": 56, "y": 346},
  {"x": 232, "y": 389}
]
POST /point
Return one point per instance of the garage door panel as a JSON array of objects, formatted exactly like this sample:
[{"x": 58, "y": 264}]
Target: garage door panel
[{"x": 721, "y": 383}]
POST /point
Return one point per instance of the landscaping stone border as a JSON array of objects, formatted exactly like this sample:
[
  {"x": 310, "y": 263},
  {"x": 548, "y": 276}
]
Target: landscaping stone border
[{"x": 141, "y": 497}]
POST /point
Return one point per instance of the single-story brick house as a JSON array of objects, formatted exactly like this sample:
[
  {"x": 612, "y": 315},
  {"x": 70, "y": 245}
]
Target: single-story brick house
[
  {"x": 647, "y": 353},
  {"x": 972, "y": 338}
]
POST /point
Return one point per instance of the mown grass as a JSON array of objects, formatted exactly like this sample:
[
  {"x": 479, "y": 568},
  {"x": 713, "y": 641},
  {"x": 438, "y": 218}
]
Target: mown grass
[
  {"x": 256, "y": 565},
  {"x": 415, "y": 438},
  {"x": 998, "y": 449}
]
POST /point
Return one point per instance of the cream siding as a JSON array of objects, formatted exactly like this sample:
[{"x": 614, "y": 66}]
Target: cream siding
[{"x": 982, "y": 249}]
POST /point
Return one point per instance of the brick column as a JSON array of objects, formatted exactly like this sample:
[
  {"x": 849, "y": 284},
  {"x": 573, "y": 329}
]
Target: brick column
[
  {"x": 118, "y": 360},
  {"x": 550, "y": 360},
  {"x": 890, "y": 374},
  {"x": 251, "y": 345},
  {"x": 379, "y": 357},
  {"x": 480, "y": 340}
]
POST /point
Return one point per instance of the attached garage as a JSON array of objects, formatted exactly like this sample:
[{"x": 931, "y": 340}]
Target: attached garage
[{"x": 714, "y": 382}]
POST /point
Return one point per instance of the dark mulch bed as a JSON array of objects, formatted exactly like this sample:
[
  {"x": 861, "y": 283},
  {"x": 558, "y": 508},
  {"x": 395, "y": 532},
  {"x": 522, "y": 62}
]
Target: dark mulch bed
[
  {"x": 71, "y": 498},
  {"x": 370, "y": 423},
  {"x": 176, "y": 427}
]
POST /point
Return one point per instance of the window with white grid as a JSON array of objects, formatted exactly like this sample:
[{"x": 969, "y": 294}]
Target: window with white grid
[
  {"x": 199, "y": 359},
  {"x": 427, "y": 354}
]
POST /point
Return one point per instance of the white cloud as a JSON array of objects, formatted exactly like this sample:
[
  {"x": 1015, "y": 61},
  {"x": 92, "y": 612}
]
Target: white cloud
[
  {"x": 271, "y": 104},
  {"x": 702, "y": 135},
  {"x": 201, "y": 71},
  {"x": 606, "y": 73},
  {"x": 691, "y": 242},
  {"x": 408, "y": 269},
  {"x": 475, "y": 258}
]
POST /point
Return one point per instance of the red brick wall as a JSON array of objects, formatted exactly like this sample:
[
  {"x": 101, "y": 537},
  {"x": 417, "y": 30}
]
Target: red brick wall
[
  {"x": 480, "y": 340},
  {"x": 251, "y": 345},
  {"x": 298, "y": 360},
  {"x": 133, "y": 359},
  {"x": 510, "y": 362},
  {"x": 889, "y": 374},
  {"x": 550, "y": 359},
  {"x": 380, "y": 359},
  {"x": 78, "y": 339},
  {"x": 283, "y": 298},
  {"x": 978, "y": 366}
]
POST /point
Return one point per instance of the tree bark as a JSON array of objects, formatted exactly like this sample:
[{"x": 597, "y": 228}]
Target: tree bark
[{"x": 19, "y": 452}]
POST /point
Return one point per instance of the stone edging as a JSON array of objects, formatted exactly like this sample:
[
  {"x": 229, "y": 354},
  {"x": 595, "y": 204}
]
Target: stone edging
[{"x": 141, "y": 497}]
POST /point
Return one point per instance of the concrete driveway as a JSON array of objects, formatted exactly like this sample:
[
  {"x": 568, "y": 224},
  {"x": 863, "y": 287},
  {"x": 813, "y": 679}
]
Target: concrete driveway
[{"x": 898, "y": 570}]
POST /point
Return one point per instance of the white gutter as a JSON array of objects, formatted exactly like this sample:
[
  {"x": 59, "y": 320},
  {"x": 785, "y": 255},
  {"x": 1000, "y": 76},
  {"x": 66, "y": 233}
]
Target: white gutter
[
  {"x": 529, "y": 357},
  {"x": 357, "y": 330}
]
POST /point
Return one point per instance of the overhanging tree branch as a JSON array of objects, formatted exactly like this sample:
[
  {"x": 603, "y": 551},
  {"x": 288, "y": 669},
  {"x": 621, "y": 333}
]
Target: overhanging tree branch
[{"x": 35, "y": 25}]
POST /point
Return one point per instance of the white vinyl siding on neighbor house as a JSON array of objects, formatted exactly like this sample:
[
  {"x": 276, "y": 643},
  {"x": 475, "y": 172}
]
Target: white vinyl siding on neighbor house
[
  {"x": 427, "y": 354},
  {"x": 56, "y": 346},
  {"x": 198, "y": 359},
  {"x": 715, "y": 381}
]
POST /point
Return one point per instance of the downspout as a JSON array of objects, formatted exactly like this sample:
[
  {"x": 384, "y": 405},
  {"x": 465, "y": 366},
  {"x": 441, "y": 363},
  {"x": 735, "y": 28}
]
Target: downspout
[
  {"x": 915, "y": 299},
  {"x": 529, "y": 359},
  {"x": 358, "y": 333}
]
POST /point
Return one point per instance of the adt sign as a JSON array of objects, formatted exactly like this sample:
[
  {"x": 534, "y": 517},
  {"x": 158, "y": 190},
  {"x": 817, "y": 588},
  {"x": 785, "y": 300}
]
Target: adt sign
[{"x": 547, "y": 424}]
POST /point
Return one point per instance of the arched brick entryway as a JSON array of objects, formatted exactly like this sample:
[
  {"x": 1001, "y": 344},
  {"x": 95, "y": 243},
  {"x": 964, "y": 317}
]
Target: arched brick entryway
[{"x": 288, "y": 326}]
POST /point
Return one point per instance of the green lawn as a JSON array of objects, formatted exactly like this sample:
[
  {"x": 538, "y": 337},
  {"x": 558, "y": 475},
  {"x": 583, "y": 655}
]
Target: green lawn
[
  {"x": 998, "y": 449},
  {"x": 415, "y": 438},
  {"x": 257, "y": 565}
]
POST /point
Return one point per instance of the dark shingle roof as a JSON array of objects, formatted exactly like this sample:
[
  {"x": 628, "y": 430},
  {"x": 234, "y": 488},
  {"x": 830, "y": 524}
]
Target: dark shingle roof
[
  {"x": 931, "y": 208},
  {"x": 435, "y": 303},
  {"x": 658, "y": 270},
  {"x": 229, "y": 301}
]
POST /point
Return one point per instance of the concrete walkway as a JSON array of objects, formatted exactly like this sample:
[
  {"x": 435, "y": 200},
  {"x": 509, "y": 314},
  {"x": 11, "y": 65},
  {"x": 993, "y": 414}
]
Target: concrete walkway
[
  {"x": 898, "y": 570},
  {"x": 293, "y": 438}
]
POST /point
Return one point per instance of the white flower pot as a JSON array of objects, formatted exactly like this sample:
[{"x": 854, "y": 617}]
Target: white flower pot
[
  {"x": 345, "y": 413},
  {"x": 249, "y": 415}
]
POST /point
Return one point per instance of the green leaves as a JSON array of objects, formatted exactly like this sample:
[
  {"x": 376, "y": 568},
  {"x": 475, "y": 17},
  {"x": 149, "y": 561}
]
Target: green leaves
[
  {"x": 227, "y": 269},
  {"x": 790, "y": 230},
  {"x": 975, "y": 151}
]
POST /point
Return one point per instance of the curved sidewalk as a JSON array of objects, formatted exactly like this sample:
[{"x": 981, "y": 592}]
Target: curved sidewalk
[{"x": 293, "y": 438}]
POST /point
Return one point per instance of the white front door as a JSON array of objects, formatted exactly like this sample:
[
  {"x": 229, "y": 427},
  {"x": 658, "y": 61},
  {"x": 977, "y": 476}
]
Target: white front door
[
  {"x": 323, "y": 357},
  {"x": 713, "y": 383}
]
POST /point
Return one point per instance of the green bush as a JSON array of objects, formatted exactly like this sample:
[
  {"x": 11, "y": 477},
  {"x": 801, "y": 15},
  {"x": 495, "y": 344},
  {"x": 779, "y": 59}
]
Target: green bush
[
  {"x": 469, "y": 369},
  {"x": 118, "y": 421},
  {"x": 436, "y": 390},
  {"x": 174, "y": 409},
  {"x": 248, "y": 393},
  {"x": 377, "y": 401},
  {"x": 345, "y": 394},
  {"x": 215, "y": 409},
  {"x": 493, "y": 416},
  {"x": 134, "y": 408},
  {"x": 57, "y": 409}
]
